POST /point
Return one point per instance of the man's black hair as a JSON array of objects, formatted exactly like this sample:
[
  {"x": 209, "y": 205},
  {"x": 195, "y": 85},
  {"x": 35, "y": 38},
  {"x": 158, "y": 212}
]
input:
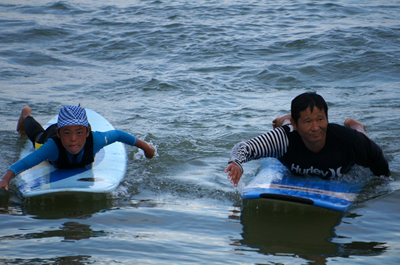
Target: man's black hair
[{"x": 305, "y": 100}]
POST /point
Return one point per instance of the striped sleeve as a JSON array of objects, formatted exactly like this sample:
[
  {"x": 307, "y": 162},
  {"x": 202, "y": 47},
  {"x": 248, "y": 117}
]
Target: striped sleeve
[{"x": 271, "y": 144}]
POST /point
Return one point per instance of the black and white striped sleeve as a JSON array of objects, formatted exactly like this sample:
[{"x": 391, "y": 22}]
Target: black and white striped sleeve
[{"x": 271, "y": 144}]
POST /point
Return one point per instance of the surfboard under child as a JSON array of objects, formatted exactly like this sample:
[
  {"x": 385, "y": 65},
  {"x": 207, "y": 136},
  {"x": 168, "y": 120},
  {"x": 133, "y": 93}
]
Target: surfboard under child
[
  {"x": 275, "y": 182},
  {"x": 103, "y": 176}
]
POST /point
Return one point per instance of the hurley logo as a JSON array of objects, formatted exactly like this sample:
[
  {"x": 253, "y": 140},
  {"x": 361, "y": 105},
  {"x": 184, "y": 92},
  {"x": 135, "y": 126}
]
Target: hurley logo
[{"x": 315, "y": 171}]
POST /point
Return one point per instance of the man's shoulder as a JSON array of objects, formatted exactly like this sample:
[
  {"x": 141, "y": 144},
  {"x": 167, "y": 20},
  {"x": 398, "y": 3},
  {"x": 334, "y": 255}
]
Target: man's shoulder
[
  {"x": 339, "y": 128},
  {"x": 288, "y": 128},
  {"x": 341, "y": 132}
]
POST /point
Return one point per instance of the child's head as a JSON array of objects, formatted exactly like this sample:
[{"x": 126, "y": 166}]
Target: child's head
[
  {"x": 72, "y": 115},
  {"x": 73, "y": 128}
]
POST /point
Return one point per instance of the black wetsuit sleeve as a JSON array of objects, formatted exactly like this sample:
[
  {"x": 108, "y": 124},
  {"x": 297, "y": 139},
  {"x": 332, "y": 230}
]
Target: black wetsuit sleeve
[{"x": 369, "y": 154}]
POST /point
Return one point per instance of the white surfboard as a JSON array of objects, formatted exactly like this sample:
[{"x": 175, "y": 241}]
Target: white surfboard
[{"x": 103, "y": 176}]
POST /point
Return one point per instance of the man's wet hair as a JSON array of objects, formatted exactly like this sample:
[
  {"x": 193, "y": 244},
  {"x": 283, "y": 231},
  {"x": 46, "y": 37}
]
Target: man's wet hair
[{"x": 305, "y": 100}]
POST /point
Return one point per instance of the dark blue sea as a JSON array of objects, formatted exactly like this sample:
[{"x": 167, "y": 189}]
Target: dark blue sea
[{"x": 194, "y": 78}]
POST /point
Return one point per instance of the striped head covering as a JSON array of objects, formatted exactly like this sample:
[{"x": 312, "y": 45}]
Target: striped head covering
[{"x": 72, "y": 115}]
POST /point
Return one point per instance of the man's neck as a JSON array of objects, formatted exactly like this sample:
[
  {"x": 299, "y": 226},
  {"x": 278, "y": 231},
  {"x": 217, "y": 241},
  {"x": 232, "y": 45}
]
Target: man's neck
[{"x": 315, "y": 147}]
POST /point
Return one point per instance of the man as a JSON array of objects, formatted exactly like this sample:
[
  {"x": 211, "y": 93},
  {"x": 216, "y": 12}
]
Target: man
[
  {"x": 307, "y": 144},
  {"x": 69, "y": 143}
]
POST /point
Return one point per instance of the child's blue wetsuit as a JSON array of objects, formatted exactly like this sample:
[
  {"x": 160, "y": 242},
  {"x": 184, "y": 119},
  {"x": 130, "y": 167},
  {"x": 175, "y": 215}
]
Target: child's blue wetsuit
[{"x": 50, "y": 151}]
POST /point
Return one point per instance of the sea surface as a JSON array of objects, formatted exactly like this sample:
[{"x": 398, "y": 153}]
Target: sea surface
[{"x": 194, "y": 78}]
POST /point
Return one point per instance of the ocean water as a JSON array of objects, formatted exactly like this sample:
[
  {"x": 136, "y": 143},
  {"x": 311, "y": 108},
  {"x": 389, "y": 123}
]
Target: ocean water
[{"x": 194, "y": 78}]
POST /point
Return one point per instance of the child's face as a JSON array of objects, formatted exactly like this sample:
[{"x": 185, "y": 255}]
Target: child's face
[{"x": 73, "y": 137}]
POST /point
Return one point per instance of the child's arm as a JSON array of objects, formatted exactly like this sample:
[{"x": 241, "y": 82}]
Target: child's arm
[
  {"x": 102, "y": 139},
  {"x": 5, "y": 180},
  {"x": 148, "y": 148},
  {"x": 48, "y": 151}
]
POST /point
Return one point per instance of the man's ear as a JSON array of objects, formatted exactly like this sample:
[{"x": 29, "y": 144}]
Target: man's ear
[
  {"x": 89, "y": 129},
  {"x": 293, "y": 124}
]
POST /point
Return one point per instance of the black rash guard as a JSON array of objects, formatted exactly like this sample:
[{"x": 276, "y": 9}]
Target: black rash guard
[{"x": 344, "y": 147}]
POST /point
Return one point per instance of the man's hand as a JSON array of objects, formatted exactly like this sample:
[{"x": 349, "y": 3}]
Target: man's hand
[{"x": 235, "y": 173}]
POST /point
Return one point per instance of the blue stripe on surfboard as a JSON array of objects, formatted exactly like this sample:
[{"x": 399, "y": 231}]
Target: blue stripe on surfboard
[
  {"x": 348, "y": 194},
  {"x": 59, "y": 174},
  {"x": 329, "y": 202},
  {"x": 326, "y": 202},
  {"x": 317, "y": 184}
]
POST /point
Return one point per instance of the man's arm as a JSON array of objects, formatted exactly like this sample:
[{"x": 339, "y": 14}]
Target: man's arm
[
  {"x": 235, "y": 173},
  {"x": 271, "y": 144},
  {"x": 369, "y": 154}
]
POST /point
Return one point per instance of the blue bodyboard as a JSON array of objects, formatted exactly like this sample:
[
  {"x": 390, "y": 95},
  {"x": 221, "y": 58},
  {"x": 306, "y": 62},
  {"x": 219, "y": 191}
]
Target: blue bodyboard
[{"x": 276, "y": 182}]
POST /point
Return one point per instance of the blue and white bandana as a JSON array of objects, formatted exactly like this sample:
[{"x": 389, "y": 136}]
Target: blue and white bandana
[{"x": 72, "y": 115}]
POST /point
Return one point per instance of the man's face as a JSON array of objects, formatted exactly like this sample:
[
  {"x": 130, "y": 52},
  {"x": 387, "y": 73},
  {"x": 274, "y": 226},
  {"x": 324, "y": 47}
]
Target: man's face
[
  {"x": 312, "y": 127},
  {"x": 73, "y": 137}
]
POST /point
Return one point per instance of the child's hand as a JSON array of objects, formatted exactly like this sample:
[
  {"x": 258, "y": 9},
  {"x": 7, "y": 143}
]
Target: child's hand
[
  {"x": 150, "y": 151},
  {"x": 5, "y": 180}
]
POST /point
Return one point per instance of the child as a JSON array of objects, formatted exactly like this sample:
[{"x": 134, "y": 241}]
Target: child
[{"x": 68, "y": 144}]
